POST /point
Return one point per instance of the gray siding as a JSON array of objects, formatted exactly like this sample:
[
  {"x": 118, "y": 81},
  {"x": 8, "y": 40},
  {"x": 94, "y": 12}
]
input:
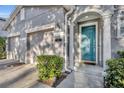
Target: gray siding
[
  {"x": 43, "y": 42},
  {"x": 13, "y": 49},
  {"x": 35, "y": 16},
  {"x": 117, "y": 43}
]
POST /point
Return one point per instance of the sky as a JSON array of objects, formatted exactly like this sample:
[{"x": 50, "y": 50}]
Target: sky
[{"x": 5, "y": 10}]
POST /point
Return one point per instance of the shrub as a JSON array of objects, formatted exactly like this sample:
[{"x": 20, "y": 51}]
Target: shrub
[
  {"x": 49, "y": 66},
  {"x": 115, "y": 73},
  {"x": 121, "y": 54},
  {"x": 2, "y": 48}
]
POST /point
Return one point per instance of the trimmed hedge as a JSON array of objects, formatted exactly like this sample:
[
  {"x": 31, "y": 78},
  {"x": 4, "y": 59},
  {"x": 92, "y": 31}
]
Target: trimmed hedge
[
  {"x": 49, "y": 66},
  {"x": 2, "y": 48},
  {"x": 115, "y": 73},
  {"x": 121, "y": 54}
]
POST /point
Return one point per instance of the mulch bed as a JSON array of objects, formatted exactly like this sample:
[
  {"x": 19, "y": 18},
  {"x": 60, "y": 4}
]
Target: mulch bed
[{"x": 57, "y": 81}]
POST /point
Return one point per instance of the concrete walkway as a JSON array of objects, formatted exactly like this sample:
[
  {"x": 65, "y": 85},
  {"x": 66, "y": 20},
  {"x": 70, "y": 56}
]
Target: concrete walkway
[
  {"x": 87, "y": 76},
  {"x": 20, "y": 76},
  {"x": 26, "y": 76},
  {"x": 68, "y": 82}
]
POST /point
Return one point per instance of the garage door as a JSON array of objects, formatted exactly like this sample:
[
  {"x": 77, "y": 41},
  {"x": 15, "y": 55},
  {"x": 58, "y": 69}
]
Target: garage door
[
  {"x": 13, "y": 47},
  {"x": 39, "y": 43}
]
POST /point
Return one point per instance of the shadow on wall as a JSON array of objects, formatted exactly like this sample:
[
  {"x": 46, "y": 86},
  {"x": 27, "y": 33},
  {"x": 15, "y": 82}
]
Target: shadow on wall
[
  {"x": 42, "y": 43},
  {"x": 116, "y": 46},
  {"x": 14, "y": 47}
]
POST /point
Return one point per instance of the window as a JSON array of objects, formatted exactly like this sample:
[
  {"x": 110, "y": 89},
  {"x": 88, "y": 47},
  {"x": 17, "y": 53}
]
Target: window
[
  {"x": 120, "y": 20},
  {"x": 22, "y": 14},
  {"x": 122, "y": 27}
]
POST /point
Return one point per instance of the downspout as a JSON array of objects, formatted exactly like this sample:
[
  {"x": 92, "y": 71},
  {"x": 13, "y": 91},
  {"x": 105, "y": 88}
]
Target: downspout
[{"x": 66, "y": 37}]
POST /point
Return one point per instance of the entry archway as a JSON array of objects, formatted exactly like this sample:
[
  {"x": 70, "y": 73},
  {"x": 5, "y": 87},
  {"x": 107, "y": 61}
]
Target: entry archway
[{"x": 103, "y": 46}]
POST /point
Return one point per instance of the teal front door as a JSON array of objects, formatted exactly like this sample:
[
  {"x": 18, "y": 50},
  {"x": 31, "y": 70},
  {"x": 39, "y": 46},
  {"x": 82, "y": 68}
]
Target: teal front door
[{"x": 88, "y": 43}]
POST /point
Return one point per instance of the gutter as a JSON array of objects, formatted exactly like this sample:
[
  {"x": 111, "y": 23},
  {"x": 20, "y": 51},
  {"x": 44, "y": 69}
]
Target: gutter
[{"x": 66, "y": 37}]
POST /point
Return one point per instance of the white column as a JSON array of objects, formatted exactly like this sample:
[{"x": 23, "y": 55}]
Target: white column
[
  {"x": 7, "y": 48},
  {"x": 71, "y": 46},
  {"x": 106, "y": 39}
]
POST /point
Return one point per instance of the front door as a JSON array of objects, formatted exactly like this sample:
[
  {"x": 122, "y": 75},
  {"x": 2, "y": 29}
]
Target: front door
[{"x": 88, "y": 43}]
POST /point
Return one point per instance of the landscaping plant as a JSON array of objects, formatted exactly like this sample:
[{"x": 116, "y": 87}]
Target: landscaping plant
[
  {"x": 49, "y": 67},
  {"x": 121, "y": 54},
  {"x": 2, "y": 48},
  {"x": 115, "y": 73}
]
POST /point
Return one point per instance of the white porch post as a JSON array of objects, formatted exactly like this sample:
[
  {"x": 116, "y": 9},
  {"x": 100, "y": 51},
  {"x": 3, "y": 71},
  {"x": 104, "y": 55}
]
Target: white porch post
[
  {"x": 71, "y": 46},
  {"x": 106, "y": 40}
]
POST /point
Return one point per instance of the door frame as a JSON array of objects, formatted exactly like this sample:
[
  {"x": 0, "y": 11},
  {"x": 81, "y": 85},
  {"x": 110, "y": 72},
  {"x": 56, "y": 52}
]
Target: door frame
[{"x": 84, "y": 25}]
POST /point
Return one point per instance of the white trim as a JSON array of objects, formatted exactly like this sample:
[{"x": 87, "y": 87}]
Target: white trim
[
  {"x": 41, "y": 28},
  {"x": 106, "y": 40},
  {"x": 89, "y": 24},
  {"x": 95, "y": 10},
  {"x": 14, "y": 34}
]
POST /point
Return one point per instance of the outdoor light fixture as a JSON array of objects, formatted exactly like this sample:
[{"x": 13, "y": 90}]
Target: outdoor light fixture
[{"x": 58, "y": 34}]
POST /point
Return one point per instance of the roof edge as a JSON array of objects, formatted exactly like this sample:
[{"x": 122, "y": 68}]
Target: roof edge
[{"x": 12, "y": 16}]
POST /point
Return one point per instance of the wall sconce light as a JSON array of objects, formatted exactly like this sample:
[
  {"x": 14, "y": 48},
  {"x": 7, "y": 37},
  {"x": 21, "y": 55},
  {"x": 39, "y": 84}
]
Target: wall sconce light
[{"x": 58, "y": 35}]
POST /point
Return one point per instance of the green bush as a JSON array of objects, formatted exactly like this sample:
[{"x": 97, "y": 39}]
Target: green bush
[
  {"x": 2, "y": 48},
  {"x": 115, "y": 73},
  {"x": 121, "y": 54},
  {"x": 49, "y": 66}
]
